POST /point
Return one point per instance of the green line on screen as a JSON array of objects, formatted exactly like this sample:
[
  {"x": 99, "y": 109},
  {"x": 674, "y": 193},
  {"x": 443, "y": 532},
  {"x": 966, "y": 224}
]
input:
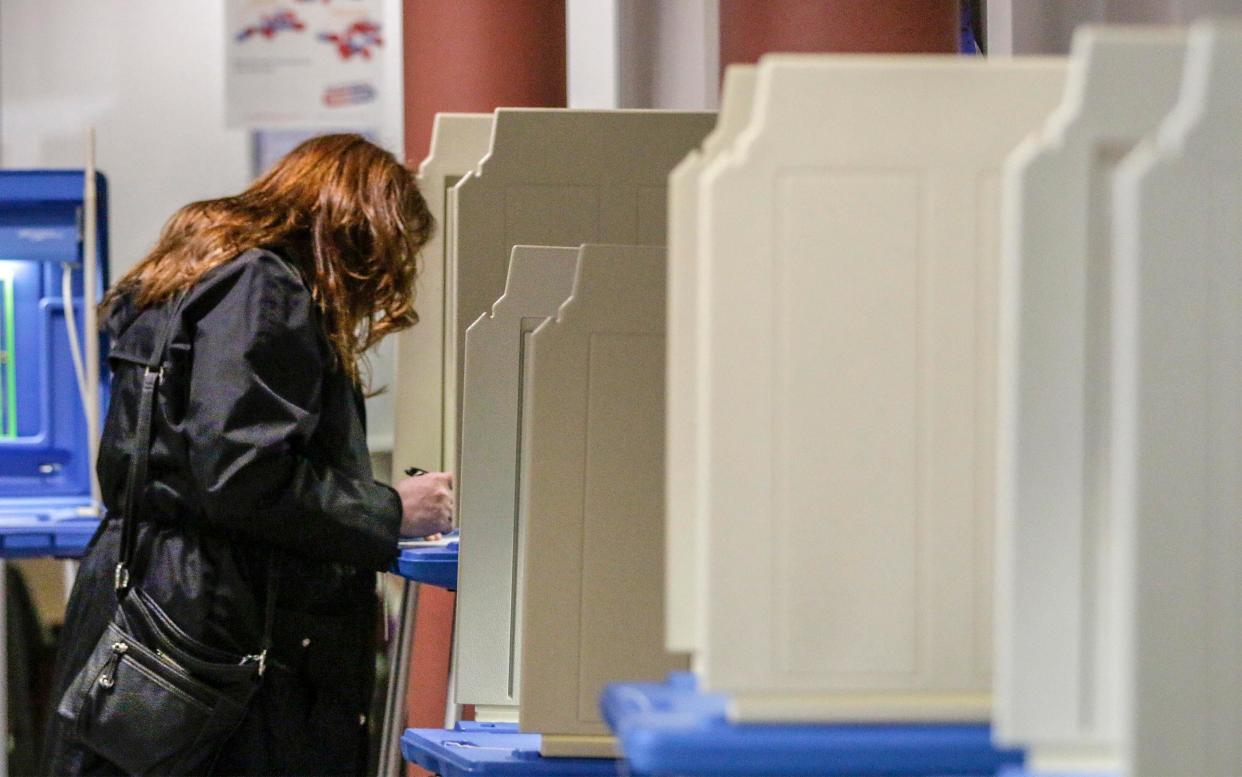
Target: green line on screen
[{"x": 10, "y": 359}]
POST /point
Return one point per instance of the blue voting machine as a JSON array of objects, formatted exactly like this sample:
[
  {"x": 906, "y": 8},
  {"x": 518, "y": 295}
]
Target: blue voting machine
[{"x": 46, "y": 508}]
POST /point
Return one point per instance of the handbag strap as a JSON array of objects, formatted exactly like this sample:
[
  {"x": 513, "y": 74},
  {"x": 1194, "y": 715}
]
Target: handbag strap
[{"x": 136, "y": 478}]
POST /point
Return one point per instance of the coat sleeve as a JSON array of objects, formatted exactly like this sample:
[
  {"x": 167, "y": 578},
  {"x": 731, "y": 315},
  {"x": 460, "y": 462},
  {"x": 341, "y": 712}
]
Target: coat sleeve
[{"x": 254, "y": 401}]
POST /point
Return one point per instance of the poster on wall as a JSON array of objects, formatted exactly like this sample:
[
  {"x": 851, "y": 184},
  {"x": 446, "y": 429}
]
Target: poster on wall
[{"x": 304, "y": 63}]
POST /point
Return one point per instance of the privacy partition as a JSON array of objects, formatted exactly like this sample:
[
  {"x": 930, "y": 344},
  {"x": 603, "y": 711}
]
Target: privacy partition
[
  {"x": 551, "y": 178},
  {"x": 1178, "y": 424},
  {"x": 458, "y": 142},
  {"x": 849, "y": 260},
  {"x": 592, "y": 503},
  {"x": 489, "y": 602},
  {"x": 1057, "y": 681},
  {"x": 682, "y": 480}
]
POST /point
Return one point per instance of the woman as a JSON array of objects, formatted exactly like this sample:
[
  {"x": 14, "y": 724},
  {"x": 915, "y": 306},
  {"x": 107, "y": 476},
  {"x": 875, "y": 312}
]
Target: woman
[{"x": 258, "y": 453}]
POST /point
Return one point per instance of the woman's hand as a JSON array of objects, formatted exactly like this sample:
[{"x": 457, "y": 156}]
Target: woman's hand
[{"x": 426, "y": 504}]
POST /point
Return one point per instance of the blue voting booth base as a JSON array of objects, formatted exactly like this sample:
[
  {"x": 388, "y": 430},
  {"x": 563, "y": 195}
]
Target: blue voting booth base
[
  {"x": 672, "y": 728},
  {"x": 42, "y": 535},
  {"x": 431, "y": 566},
  {"x": 1017, "y": 771},
  {"x": 45, "y": 491},
  {"x": 478, "y": 726},
  {"x": 501, "y": 753}
]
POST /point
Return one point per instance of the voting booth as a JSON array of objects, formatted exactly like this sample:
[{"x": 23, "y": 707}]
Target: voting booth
[
  {"x": 551, "y": 178},
  {"x": 849, "y": 260},
  {"x": 496, "y": 362},
  {"x": 1178, "y": 433},
  {"x": 592, "y": 509},
  {"x": 44, "y": 447},
  {"x": 563, "y": 409},
  {"x": 47, "y": 506},
  {"x": 458, "y": 142},
  {"x": 843, "y": 396},
  {"x": 1122, "y": 613},
  {"x": 1058, "y": 669},
  {"x": 514, "y": 226},
  {"x": 543, "y": 178}
]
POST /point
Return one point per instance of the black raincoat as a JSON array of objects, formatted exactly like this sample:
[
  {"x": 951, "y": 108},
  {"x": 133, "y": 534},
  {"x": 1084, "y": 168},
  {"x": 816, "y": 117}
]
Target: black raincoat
[{"x": 258, "y": 457}]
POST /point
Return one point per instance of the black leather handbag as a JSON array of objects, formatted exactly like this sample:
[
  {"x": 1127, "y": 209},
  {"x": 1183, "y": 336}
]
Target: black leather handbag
[{"x": 151, "y": 699}]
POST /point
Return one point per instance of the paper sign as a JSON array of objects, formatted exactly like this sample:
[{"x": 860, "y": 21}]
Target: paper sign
[{"x": 304, "y": 62}]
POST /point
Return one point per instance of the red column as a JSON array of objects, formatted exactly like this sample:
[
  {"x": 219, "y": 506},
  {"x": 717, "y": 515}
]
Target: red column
[
  {"x": 468, "y": 56},
  {"x": 751, "y": 28},
  {"x": 478, "y": 55}
]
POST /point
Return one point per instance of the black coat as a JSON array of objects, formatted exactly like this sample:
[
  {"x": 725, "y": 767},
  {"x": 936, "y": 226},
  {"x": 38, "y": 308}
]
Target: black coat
[{"x": 259, "y": 456}]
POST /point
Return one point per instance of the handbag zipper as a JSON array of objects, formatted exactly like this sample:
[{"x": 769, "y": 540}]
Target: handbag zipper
[
  {"x": 169, "y": 660},
  {"x": 258, "y": 658},
  {"x": 108, "y": 678}
]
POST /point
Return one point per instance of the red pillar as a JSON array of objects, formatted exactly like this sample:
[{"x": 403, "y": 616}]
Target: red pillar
[
  {"x": 751, "y": 28},
  {"x": 468, "y": 56},
  {"x": 478, "y": 55}
]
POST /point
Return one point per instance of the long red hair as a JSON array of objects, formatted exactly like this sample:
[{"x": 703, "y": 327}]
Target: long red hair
[{"x": 345, "y": 210}]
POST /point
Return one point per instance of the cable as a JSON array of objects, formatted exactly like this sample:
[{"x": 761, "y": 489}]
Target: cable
[
  {"x": 90, "y": 301},
  {"x": 71, "y": 325}
]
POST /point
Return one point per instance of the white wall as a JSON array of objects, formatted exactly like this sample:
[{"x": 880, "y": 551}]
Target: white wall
[
  {"x": 591, "y": 63},
  {"x": 643, "y": 53},
  {"x": 669, "y": 54},
  {"x": 1027, "y": 27},
  {"x": 149, "y": 74}
]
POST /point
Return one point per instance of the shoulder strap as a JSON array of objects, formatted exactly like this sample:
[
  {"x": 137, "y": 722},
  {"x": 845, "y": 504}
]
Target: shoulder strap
[
  {"x": 137, "y": 476},
  {"x": 136, "y": 479}
]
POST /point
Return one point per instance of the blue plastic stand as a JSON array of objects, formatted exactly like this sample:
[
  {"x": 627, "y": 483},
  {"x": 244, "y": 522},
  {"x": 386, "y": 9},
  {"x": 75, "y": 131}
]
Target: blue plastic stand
[
  {"x": 505, "y": 754},
  {"x": 672, "y": 728},
  {"x": 479, "y": 726},
  {"x": 45, "y": 487},
  {"x": 1017, "y": 771},
  {"x": 431, "y": 566},
  {"x": 37, "y": 537}
]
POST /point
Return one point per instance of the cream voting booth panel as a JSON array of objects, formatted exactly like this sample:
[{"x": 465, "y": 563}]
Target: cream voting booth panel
[
  {"x": 488, "y": 612},
  {"x": 850, "y": 256},
  {"x": 557, "y": 177},
  {"x": 1057, "y": 642},
  {"x": 592, "y": 498},
  {"x": 458, "y": 142},
  {"x": 1178, "y": 427},
  {"x": 682, "y": 496}
]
